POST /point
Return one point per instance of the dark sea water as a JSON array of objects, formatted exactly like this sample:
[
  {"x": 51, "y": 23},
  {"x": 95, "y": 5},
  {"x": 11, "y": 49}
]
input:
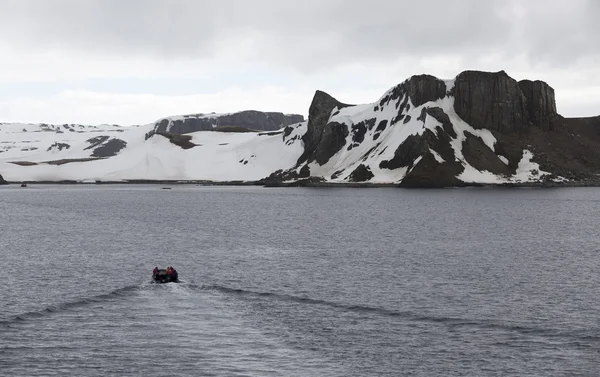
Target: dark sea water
[{"x": 299, "y": 282}]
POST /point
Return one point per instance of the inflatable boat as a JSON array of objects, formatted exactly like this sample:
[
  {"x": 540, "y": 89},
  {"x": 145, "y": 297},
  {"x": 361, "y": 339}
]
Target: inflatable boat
[{"x": 165, "y": 276}]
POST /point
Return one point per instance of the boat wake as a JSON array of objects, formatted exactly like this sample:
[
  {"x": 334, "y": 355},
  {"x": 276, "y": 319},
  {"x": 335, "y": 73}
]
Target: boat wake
[
  {"x": 581, "y": 338},
  {"x": 49, "y": 310}
]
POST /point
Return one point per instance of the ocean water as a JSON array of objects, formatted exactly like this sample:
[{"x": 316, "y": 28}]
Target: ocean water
[{"x": 299, "y": 281}]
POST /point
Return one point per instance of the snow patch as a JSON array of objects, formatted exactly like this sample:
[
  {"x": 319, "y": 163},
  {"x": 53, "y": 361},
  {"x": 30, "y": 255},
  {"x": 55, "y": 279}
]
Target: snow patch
[
  {"x": 472, "y": 175},
  {"x": 503, "y": 159},
  {"x": 528, "y": 170},
  {"x": 450, "y": 84}
]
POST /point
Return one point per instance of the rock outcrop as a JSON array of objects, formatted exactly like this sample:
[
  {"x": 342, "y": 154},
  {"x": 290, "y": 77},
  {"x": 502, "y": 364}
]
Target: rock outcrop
[
  {"x": 183, "y": 141},
  {"x": 253, "y": 120},
  {"x": 414, "y": 137},
  {"x": 322, "y": 140},
  {"x": 424, "y": 88},
  {"x": 493, "y": 101},
  {"x": 2, "y": 181},
  {"x": 541, "y": 104}
]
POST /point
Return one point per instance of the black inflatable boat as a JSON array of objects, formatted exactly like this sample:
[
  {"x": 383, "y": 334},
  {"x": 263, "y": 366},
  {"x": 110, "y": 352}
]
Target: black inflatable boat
[{"x": 165, "y": 276}]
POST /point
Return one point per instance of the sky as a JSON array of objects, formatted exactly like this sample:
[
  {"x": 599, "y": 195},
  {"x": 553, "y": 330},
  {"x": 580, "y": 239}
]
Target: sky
[{"x": 135, "y": 61}]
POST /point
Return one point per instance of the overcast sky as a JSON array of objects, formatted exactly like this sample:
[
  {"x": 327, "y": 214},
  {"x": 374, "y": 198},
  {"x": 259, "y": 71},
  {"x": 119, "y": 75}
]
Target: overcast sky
[{"x": 134, "y": 61}]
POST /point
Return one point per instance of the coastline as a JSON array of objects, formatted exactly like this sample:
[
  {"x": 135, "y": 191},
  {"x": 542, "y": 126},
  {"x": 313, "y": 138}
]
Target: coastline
[{"x": 313, "y": 184}]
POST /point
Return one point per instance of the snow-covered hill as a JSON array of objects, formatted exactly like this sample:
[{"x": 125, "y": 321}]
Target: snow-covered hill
[
  {"x": 425, "y": 132},
  {"x": 33, "y": 152}
]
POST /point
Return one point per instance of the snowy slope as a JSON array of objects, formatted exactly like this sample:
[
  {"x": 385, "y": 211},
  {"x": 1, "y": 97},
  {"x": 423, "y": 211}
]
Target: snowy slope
[{"x": 217, "y": 156}]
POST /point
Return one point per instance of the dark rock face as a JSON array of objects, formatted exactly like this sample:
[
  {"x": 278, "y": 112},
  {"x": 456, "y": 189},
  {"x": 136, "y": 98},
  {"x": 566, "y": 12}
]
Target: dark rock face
[
  {"x": 541, "y": 103},
  {"x": 361, "y": 174},
  {"x": 183, "y": 141},
  {"x": 110, "y": 148},
  {"x": 59, "y": 146},
  {"x": 2, "y": 181},
  {"x": 424, "y": 88},
  {"x": 438, "y": 114},
  {"x": 419, "y": 89},
  {"x": 253, "y": 120},
  {"x": 490, "y": 100},
  {"x": 332, "y": 141},
  {"x": 380, "y": 128},
  {"x": 407, "y": 152},
  {"x": 428, "y": 173},
  {"x": 321, "y": 140},
  {"x": 479, "y": 156},
  {"x": 96, "y": 141},
  {"x": 103, "y": 147}
]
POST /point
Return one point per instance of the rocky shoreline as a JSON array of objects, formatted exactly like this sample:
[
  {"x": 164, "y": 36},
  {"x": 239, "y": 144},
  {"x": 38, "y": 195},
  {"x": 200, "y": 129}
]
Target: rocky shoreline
[{"x": 316, "y": 184}]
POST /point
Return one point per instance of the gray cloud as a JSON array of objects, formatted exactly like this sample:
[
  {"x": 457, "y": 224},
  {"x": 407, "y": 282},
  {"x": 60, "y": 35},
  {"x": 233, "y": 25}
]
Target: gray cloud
[{"x": 310, "y": 35}]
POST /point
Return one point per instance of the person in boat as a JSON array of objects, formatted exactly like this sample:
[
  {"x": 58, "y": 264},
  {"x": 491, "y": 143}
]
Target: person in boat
[{"x": 155, "y": 271}]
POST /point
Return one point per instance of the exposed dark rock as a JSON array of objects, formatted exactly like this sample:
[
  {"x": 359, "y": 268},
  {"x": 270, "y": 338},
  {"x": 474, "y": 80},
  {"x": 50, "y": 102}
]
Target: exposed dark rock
[
  {"x": 370, "y": 123},
  {"x": 322, "y": 139},
  {"x": 481, "y": 157},
  {"x": 332, "y": 141},
  {"x": 358, "y": 132},
  {"x": 571, "y": 151},
  {"x": 304, "y": 172},
  {"x": 277, "y": 178},
  {"x": 95, "y": 141},
  {"x": 440, "y": 142},
  {"x": 2, "y": 181},
  {"x": 368, "y": 153},
  {"x": 110, "y": 148},
  {"x": 232, "y": 129},
  {"x": 438, "y": 114},
  {"x": 337, "y": 174},
  {"x": 273, "y": 133},
  {"x": 252, "y": 120},
  {"x": 59, "y": 146},
  {"x": 56, "y": 162},
  {"x": 306, "y": 182},
  {"x": 490, "y": 100},
  {"x": 287, "y": 131},
  {"x": 407, "y": 152},
  {"x": 424, "y": 88},
  {"x": 420, "y": 89},
  {"x": 381, "y": 126},
  {"x": 541, "y": 103},
  {"x": 428, "y": 173},
  {"x": 184, "y": 141},
  {"x": 398, "y": 118},
  {"x": 361, "y": 174}
]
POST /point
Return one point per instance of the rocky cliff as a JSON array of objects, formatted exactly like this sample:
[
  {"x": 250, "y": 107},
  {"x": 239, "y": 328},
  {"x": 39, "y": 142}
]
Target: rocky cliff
[
  {"x": 253, "y": 120},
  {"x": 481, "y": 127}
]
